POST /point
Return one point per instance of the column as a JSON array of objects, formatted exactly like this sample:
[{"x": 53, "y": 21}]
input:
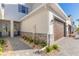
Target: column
[
  {"x": 50, "y": 39},
  {"x": 67, "y": 31},
  {"x": 11, "y": 29}
]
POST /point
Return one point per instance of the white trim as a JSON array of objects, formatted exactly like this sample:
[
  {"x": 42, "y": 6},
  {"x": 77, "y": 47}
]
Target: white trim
[
  {"x": 50, "y": 35},
  {"x": 59, "y": 18},
  {"x": 32, "y": 12},
  {"x": 11, "y": 28},
  {"x": 61, "y": 9}
]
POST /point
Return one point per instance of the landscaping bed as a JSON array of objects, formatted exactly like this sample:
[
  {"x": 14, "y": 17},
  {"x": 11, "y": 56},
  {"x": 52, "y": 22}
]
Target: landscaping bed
[
  {"x": 35, "y": 43},
  {"x": 50, "y": 50},
  {"x": 2, "y": 45}
]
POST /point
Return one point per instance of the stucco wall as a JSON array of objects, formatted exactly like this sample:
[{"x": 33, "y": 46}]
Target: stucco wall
[{"x": 38, "y": 19}]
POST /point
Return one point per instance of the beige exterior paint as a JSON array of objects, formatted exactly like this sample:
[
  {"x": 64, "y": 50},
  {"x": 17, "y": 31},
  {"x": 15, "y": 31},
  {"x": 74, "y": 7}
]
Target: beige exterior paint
[{"x": 38, "y": 19}]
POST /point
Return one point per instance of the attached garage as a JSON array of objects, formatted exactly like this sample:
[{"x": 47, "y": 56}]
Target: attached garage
[{"x": 59, "y": 29}]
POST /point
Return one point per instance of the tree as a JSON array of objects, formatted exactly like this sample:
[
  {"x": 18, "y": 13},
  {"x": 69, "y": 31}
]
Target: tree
[{"x": 77, "y": 29}]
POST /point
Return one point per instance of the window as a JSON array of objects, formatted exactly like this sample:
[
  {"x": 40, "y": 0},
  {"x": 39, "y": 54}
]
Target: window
[
  {"x": 2, "y": 5},
  {"x": 22, "y": 9}
]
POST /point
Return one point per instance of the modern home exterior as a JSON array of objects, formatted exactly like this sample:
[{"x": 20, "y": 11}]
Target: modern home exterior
[{"x": 47, "y": 22}]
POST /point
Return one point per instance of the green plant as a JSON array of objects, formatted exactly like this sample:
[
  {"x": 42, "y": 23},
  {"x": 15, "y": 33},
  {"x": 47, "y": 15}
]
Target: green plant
[
  {"x": 77, "y": 29},
  {"x": 52, "y": 47},
  {"x": 36, "y": 42},
  {"x": 1, "y": 49},
  {"x": 2, "y": 42},
  {"x": 43, "y": 43},
  {"x": 48, "y": 49},
  {"x": 30, "y": 39},
  {"x": 55, "y": 47}
]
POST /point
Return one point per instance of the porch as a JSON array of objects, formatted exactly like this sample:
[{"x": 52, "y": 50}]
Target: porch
[{"x": 9, "y": 28}]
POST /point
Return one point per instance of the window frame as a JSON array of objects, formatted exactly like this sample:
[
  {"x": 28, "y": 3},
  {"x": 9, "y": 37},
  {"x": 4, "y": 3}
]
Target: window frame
[{"x": 22, "y": 9}]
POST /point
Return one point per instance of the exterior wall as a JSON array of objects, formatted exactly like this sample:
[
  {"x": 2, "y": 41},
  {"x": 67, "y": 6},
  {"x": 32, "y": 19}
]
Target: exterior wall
[
  {"x": 36, "y": 22},
  {"x": 69, "y": 26},
  {"x": 11, "y": 12},
  {"x": 54, "y": 12},
  {"x": 35, "y": 5},
  {"x": 32, "y": 6}
]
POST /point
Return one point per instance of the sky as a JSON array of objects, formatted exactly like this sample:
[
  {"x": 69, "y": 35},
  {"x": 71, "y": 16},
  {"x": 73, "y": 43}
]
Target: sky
[{"x": 71, "y": 9}]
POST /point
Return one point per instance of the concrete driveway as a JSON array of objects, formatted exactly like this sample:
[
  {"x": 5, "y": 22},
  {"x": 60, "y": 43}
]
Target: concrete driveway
[{"x": 69, "y": 47}]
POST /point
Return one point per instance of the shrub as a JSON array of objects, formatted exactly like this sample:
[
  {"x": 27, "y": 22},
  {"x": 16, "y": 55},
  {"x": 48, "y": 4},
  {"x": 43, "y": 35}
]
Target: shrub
[
  {"x": 24, "y": 37},
  {"x": 55, "y": 46},
  {"x": 52, "y": 47},
  {"x": 36, "y": 42},
  {"x": 48, "y": 49},
  {"x": 2, "y": 42},
  {"x": 30, "y": 39},
  {"x": 1, "y": 49},
  {"x": 43, "y": 43}
]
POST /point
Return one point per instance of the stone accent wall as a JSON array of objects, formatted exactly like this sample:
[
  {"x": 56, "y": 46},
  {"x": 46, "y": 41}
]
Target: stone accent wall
[{"x": 39, "y": 36}]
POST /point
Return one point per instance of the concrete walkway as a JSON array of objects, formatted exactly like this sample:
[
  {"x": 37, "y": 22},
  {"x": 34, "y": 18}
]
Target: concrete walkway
[
  {"x": 17, "y": 44},
  {"x": 69, "y": 47},
  {"x": 19, "y": 48}
]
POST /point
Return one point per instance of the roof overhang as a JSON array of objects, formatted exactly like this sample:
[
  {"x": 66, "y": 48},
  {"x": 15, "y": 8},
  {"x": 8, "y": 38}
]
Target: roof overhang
[{"x": 58, "y": 10}]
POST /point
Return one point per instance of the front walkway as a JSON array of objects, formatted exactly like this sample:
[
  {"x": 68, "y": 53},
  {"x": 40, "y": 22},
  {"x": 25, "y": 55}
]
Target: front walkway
[
  {"x": 70, "y": 47},
  {"x": 19, "y": 48}
]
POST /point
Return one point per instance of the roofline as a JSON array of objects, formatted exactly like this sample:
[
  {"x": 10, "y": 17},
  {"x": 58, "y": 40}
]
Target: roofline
[
  {"x": 61, "y": 10},
  {"x": 39, "y": 8},
  {"x": 32, "y": 12}
]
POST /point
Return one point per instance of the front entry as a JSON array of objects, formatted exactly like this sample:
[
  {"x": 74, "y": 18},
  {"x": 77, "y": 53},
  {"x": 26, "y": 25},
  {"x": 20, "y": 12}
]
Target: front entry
[
  {"x": 4, "y": 28},
  {"x": 16, "y": 28}
]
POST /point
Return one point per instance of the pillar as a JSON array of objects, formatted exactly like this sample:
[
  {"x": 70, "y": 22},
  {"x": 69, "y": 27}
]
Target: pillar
[
  {"x": 11, "y": 29},
  {"x": 67, "y": 30},
  {"x": 50, "y": 37}
]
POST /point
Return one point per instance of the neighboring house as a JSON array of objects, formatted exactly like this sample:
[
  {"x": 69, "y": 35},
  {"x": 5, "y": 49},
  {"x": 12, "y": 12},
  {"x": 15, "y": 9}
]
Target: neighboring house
[
  {"x": 70, "y": 26},
  {"x": 45, "y": 22}
]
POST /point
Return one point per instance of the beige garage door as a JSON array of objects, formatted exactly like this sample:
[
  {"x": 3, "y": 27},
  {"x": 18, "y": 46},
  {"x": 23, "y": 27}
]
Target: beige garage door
[{"x": 58, "y": 29}]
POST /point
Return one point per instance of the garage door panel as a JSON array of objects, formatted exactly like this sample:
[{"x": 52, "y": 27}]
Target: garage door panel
[{"x": 58, "y": 29}]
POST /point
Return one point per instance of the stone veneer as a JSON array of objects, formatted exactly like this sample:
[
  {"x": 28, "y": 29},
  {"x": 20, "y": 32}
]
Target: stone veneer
[{"x": 39, "y": 36}]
